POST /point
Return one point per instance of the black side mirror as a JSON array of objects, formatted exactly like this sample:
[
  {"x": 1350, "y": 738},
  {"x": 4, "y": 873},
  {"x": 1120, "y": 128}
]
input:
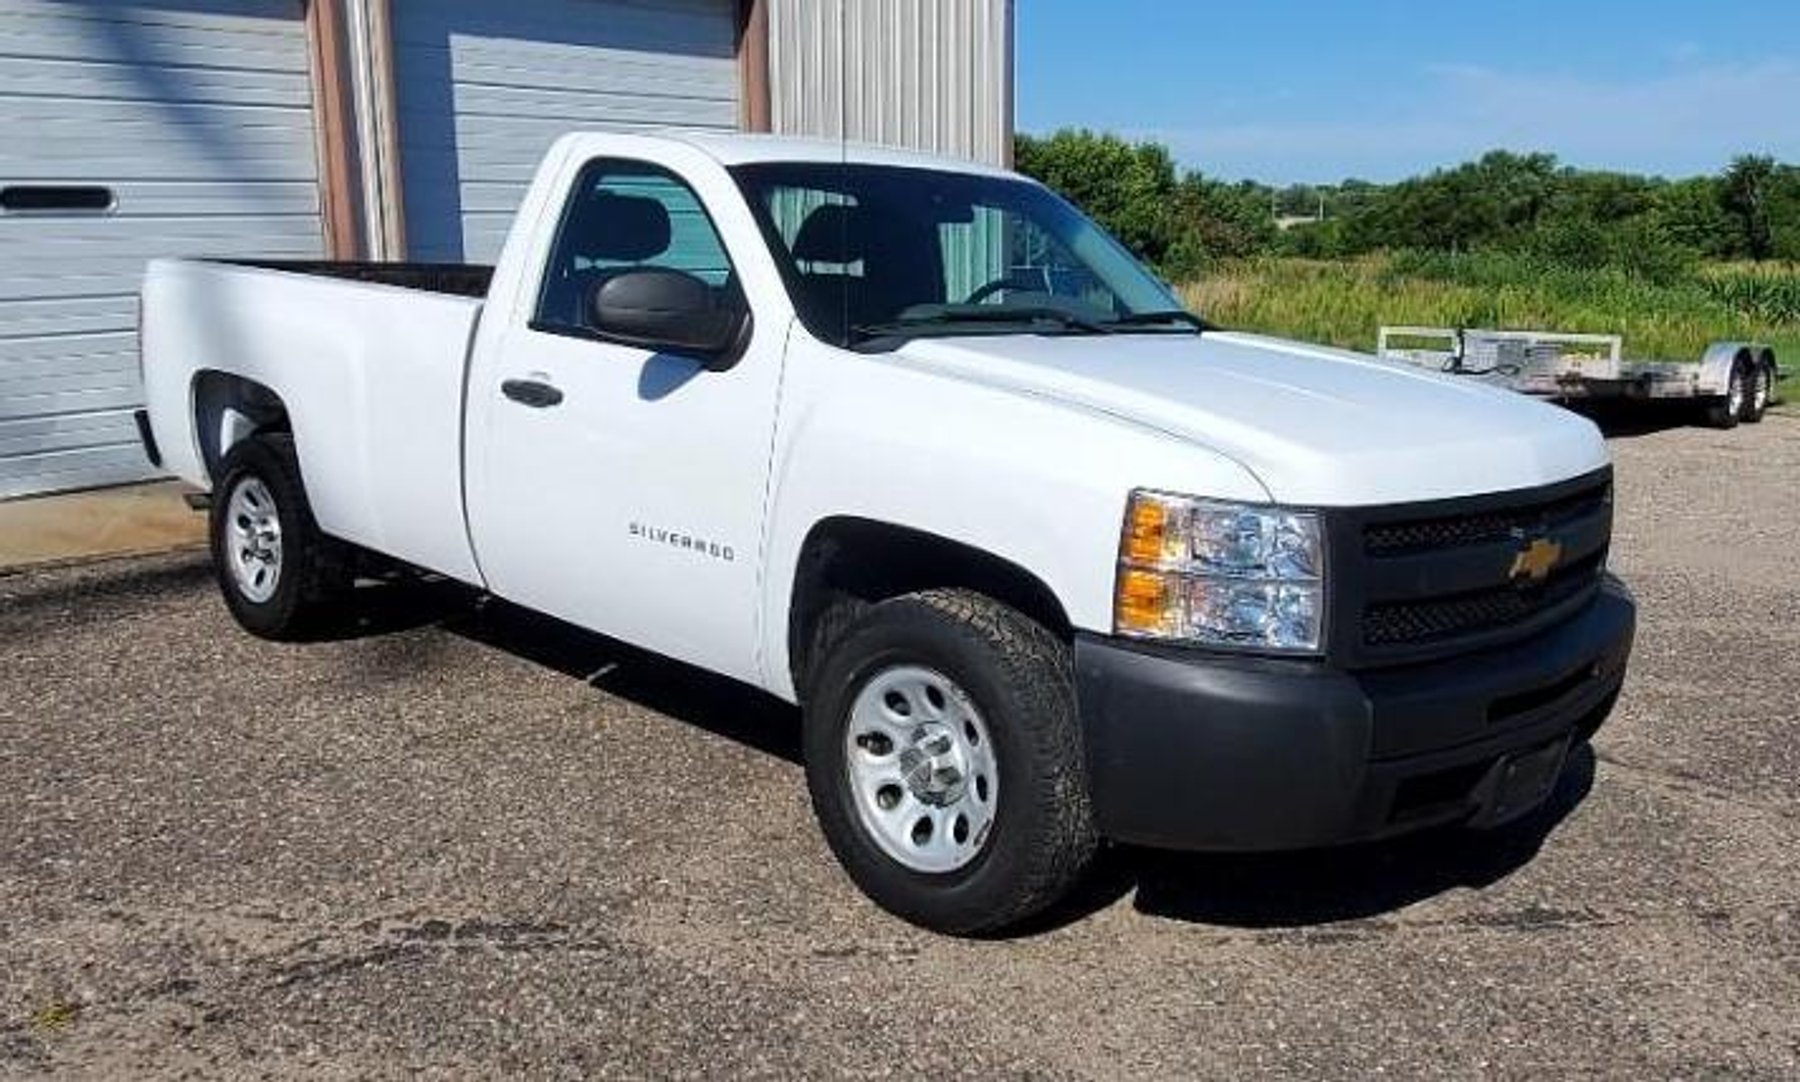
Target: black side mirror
[{"x": 669, "y": 311}]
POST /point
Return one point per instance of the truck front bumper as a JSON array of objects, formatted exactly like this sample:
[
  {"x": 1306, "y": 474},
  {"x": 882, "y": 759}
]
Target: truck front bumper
[{"x": 1187, "y": 750}]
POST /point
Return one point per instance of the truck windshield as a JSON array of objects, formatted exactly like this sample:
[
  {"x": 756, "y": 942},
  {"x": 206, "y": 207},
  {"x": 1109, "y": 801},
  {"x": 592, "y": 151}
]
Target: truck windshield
[{"x": 877, "y": 253}]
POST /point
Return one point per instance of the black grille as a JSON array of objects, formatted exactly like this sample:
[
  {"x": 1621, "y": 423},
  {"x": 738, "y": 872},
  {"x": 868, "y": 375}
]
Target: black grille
[
  {"x": 1436, "y": 619},
  {"x": 1420, "y": 581},
  {"x": 1455, "y": 531}
]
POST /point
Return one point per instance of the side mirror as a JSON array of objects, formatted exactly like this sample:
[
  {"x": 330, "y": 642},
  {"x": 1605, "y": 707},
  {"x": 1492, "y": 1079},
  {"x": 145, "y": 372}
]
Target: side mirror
[{"x": 669, "y": 311}]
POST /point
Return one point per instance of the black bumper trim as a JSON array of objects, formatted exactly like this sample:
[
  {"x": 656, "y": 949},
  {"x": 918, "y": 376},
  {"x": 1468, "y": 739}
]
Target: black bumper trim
[{"x": 1196, "y": 751}]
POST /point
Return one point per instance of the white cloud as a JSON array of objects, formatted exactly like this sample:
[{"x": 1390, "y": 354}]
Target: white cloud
[{"x": 1686, "y": 121}]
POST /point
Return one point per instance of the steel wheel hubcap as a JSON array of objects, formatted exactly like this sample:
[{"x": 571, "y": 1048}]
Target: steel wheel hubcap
[
  {"x": 1736, "y": 400},
  {"x": 253, "y": 539},
  {"x": 921, "y": 768},
  {"x": 1762, "y": 389}
]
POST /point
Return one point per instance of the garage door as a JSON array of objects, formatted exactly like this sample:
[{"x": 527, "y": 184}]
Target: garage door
[
  {"x": 130, "y": 131},
  {"x": 484, "y": 88}
]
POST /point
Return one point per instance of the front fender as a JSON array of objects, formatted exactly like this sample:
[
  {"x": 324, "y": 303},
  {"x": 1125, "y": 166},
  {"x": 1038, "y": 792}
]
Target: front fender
[{"x": 1035, "y": 482}]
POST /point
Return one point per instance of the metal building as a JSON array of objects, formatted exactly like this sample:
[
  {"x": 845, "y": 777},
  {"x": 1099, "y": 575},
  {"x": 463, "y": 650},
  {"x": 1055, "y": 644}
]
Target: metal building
[
  {"x": 915, "y": 73},
  {"x": 383, "y": 129}
]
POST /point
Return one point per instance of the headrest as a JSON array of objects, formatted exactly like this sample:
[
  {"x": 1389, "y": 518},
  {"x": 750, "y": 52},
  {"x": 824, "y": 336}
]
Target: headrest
[
  {"x": 833, "y": 233},
  {"x": 623, "y": 228}
]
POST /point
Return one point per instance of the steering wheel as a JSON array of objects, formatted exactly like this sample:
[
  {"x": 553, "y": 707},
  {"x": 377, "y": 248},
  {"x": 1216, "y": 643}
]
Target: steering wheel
[{"x": 1010, "y": 281}]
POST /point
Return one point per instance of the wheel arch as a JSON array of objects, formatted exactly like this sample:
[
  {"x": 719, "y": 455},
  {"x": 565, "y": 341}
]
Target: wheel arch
[
  {"x": 228, "y": 408},
  {"x": 849, "y": 558}
]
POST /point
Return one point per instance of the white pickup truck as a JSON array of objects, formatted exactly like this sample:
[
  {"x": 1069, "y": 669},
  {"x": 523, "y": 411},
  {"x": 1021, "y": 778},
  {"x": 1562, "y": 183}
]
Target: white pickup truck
[{"x": 1046, "y": 559}]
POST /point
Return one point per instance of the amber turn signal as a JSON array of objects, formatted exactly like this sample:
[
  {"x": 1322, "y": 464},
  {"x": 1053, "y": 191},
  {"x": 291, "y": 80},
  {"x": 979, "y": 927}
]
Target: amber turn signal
[
  {"x": 1143, "y": 603},
  {"x": 1146, "y": 532}
]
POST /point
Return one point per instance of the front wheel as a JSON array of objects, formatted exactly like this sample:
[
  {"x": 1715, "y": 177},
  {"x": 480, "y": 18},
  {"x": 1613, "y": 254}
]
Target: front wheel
[
  {"x": 944, "y": 761},
  {"x": 281, "y": 577}
]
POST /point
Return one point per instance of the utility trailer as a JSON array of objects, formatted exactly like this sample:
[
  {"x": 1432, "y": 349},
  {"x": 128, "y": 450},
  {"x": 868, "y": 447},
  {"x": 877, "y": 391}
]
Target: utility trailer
[{"x": 1732, "y": 381}]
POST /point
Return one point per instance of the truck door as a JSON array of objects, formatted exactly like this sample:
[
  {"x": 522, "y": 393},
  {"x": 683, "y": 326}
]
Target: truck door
[{"x": 612, "y": 486}]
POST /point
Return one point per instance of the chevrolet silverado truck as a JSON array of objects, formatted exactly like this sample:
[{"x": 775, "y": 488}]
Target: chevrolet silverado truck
[{"x": 1045, "y": 559}]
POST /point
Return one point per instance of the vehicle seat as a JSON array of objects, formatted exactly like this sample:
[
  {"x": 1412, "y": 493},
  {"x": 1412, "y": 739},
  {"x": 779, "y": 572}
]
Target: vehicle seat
[
  {"x": 901, "y": 271},
  {"x": 605, "y": 234}
]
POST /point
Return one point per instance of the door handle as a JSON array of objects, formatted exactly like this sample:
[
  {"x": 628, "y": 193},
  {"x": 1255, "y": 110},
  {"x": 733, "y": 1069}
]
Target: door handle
[{"x": 530, "y": 392}]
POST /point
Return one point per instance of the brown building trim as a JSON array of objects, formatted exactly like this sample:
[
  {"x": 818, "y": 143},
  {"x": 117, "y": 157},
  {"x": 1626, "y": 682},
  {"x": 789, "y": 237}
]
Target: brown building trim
[
  {"x": 340, "y": 193},
  {"x": 753, "y": 65}
]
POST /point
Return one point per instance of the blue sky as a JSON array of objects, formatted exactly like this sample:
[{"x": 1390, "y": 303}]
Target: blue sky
[{"x": 1287, "y": 90}]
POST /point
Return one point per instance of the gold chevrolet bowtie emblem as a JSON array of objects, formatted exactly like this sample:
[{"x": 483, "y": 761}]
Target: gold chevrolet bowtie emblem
[{"x": 1534, "y": 561}]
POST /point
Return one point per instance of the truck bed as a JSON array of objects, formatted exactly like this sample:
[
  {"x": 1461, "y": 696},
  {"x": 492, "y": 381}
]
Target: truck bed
[
  {"x": 456, "y": 279},
  {"x": 371, "y": 380}
]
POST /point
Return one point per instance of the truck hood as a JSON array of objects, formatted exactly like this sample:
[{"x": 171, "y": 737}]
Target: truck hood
[{"x": 1317, "y": 426}]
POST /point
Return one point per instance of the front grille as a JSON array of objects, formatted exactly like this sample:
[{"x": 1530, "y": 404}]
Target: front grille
[
  {"x": 1420, "y": 581},
  {"x": 1453, "y": 531},
  {"x": 1439, "y": 618}
]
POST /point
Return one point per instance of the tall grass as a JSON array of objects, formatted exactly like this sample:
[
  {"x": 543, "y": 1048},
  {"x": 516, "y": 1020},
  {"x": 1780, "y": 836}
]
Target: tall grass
[{"x": 1344, "y": 303}]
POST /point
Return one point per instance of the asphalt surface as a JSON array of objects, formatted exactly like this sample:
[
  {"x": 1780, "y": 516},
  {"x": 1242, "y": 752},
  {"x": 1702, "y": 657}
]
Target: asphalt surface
[{"x": 475, "y": 842}]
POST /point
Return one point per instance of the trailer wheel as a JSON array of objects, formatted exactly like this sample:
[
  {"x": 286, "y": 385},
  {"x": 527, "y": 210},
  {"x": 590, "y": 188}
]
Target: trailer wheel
[
  {"x": 1726, "y": 410},
  {"x": 1762, "y": 389},
  {"x": 945, "y": 763},
  {"x": 281, "y": 577}
]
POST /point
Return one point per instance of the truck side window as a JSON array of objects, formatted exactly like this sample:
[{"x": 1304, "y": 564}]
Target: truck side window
[{"x": 623, "y": 215}]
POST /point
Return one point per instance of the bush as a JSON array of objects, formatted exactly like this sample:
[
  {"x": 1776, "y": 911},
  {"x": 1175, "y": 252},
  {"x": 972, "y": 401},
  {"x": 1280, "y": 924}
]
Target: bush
[
  {"x": 1177, "y": 224},
  {"x": 1644, "y": 227},
  {"x": 1130, "y": 188},
  {"x": 1633, "y": 248}
]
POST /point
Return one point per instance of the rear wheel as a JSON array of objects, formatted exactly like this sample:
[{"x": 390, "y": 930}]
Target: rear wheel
[
  {"x": 945, "y": 764},
  {"x": 281, "y": 578},
  {"x": 1762, "y": 389},
  {"x": 1725, "y": 411}
]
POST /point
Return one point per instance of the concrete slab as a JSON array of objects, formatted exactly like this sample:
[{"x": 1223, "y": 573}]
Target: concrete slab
[{"x": 126, "y": 520}]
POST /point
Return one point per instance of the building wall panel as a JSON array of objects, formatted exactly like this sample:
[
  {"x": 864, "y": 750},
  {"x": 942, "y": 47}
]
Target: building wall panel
[
  {"x": 196, "y": 115},
  {"x": 931, "y": 75}
]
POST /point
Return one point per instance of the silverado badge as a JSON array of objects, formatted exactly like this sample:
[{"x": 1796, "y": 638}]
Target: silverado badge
[{"x": 1533, "y": 562}]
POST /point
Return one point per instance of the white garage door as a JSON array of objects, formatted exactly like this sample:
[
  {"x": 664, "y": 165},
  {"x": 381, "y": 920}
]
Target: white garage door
[
  {"x": 485, "y": 87},
  {"x": 163, "y": 127}
]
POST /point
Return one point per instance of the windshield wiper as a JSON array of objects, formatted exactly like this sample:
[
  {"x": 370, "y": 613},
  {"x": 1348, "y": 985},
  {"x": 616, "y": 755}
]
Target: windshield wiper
[
  {"x": 985, "y": 314},
  {"x": 1172, "y": 315}
]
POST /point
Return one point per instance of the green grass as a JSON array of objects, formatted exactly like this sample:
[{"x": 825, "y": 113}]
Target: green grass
[
  {"x": 1344, "y": 303},
  {"x": 54, "y": 1017}
]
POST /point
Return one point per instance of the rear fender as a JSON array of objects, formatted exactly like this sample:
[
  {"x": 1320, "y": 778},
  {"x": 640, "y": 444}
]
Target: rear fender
[{"x": 1716, "y": 364}]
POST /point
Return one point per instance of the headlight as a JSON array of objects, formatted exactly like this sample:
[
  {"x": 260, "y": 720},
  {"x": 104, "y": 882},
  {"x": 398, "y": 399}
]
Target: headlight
[{"x": 1220, "y": 574}]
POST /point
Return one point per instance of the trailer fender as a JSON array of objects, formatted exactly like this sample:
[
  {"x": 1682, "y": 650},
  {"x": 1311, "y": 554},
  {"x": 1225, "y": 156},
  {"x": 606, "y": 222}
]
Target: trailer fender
[{"x": 1716, "y": 363}]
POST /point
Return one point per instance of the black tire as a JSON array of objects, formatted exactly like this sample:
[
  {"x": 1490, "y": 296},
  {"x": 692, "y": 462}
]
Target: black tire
[
  {"x": 314, "y": 572},
  {"x": 833, "y": 622},
  {"x": 1762, "y": 389},
  {"x": 1020, "y": 679},
  {"x": 1721, "y": 412}
]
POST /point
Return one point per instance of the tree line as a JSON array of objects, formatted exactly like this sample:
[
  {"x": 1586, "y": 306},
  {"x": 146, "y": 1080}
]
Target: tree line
[{"x": 1181, "y": 220}]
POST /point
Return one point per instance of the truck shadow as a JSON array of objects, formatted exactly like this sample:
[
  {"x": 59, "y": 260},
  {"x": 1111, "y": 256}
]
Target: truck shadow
[
  {"x": 1255, "y": 892},
  {"x": 692, "y": 696},
  {"x": 1627, "y": 420}
]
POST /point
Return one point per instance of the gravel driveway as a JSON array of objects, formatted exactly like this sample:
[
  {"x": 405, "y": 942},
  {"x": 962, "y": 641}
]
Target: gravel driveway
[{"x": 480, "y": 843}]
